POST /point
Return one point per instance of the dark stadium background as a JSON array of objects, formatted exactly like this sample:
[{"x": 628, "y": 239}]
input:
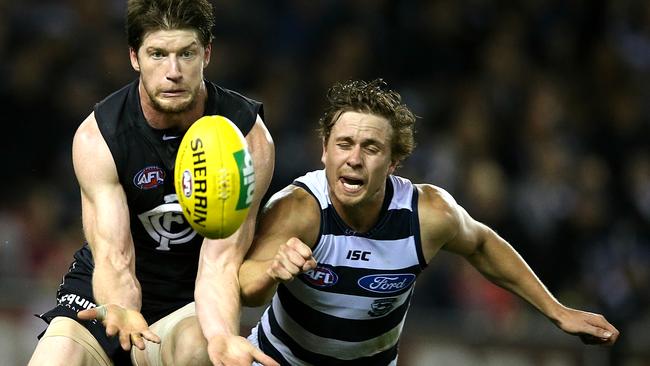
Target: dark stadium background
[{"x": 534, "y": 114}]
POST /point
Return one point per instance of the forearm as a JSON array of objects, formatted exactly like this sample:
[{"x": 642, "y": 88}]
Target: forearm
[
  {"x": 257, "y": 287},
  {"x": 217, "y": 295},
  {"x": 114, "y": 280},
  {"x": 500, "y": 263},
  {"x": 116, "y": 284}
]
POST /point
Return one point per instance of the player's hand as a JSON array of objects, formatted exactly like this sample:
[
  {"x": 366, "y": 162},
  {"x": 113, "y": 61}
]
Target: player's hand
[
  {"x": 232, "y": 350},
  {"x": 292, "y": 258},
  {"x": 591, "y": 328},
  {"x": 129, "y": 325}
]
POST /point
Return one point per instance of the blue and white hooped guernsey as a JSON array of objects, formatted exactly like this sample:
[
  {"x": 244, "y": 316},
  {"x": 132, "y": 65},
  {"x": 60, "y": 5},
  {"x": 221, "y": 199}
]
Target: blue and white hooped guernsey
[{"x": 350, "y": 310}]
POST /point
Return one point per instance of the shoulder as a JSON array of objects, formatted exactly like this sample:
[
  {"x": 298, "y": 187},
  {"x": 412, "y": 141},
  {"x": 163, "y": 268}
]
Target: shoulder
[
  {"x": 437, "y": 201},
  {"x": 439, "y": 216},
  {"x": 92, "y": 160},
  {"x": 262, "y": 148},
  {"x": 295, "y": 212},
  {"x": 87, "y": 132},
  {"x": 293, "y": 200},
  {"x": 259, "y": 134}
]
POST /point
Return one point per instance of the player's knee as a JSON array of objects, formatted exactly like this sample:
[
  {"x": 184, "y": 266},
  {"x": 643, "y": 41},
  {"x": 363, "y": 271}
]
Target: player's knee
[
  {"x": 189, "y": 345},
  {"x": 48, "y": 350},
  {"x": 67, "y": 342}
]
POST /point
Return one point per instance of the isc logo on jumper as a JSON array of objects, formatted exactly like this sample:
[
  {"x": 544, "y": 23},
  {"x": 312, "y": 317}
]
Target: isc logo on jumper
[
  {"x": 386, "y": 283},
  {"x": 321, "y": 277},
  {"x": 149, "y": 177}
]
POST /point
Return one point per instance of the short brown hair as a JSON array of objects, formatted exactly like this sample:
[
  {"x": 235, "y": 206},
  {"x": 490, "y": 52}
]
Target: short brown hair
[
  {"x": 371, "y": 97},
  {"x": 144, "y": 16}
]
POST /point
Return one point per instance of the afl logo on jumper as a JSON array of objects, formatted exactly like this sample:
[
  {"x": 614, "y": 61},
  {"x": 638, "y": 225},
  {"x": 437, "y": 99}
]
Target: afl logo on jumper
[
  {"x": 321, "y": 277},
  {"x": 149, "y": 177},
  {"x": 166, "y": 224},
  {"x": 386, "y": 283}
]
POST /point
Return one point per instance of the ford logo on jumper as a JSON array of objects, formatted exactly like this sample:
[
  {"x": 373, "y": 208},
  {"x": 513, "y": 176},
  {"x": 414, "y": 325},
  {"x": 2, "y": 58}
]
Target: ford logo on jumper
[{"x": 386, "y": 283}]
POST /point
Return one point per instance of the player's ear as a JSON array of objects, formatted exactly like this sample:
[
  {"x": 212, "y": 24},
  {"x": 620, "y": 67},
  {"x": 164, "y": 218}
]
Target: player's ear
[
  {"x": 133, "y": 55},
  {"x": 207, "y": 54},
  {"x": 392, "y": 167}
]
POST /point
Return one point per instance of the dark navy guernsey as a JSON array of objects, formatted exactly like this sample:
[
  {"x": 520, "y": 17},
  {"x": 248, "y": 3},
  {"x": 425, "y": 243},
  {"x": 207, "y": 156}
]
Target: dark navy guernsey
[{"x": 166, "y": 247}]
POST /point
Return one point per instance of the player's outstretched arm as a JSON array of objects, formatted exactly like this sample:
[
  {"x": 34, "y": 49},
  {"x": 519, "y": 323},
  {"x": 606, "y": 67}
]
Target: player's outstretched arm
[
  {"x": 217, "y": 287},
  {"x": 105, "y": 217},
  {"x": 281, "y": 249},
  {"x": 499, "y": 262}
]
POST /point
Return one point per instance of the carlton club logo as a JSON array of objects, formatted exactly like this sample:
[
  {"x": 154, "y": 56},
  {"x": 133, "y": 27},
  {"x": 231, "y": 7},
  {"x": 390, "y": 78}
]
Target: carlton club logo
[
  {"x": 160, "y": 221},
  {"x": 149, "y": 177}
]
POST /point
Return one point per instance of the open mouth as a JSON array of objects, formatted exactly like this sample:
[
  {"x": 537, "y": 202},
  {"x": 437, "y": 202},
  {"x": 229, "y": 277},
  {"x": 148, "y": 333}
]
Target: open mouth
[{"x": 351, "y": 184}]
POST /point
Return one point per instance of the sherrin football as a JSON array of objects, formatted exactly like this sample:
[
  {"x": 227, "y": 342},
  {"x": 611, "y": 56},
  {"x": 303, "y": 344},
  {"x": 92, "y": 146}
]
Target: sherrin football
[{"x": 214, "y": 177}]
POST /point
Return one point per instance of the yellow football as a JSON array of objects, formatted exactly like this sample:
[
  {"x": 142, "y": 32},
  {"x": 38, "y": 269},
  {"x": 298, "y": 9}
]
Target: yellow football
[{"x": 214, "y": 177}]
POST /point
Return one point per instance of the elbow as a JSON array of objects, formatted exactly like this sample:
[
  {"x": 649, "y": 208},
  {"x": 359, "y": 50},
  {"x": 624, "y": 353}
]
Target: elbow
[
  {"x": 476, "y": 254},
  {"x": 252, "y": 302},
  {"x": 480, "y": 259},
  {"x": 255, "y": 301},
  {"x": 256, "y": 287},
  {"x": 254, "y": 293},
  {"x": 255, "y": 297}
]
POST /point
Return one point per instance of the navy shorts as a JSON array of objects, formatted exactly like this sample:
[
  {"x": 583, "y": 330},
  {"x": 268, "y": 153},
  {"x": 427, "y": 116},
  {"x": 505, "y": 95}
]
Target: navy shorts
[{"x": 75, "y": 294}]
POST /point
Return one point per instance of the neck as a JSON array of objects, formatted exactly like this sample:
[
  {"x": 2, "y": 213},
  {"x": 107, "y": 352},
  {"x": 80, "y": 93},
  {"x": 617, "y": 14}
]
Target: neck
[
  {"x": 164, "y": 120},
  {"x": 363, "y": 216}
]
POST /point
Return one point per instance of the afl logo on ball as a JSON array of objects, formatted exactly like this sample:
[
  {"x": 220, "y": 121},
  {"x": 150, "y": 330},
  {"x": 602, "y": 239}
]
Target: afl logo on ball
[
  {"x": 187, "y": 183},
  {"x": 149, "y": 177}
]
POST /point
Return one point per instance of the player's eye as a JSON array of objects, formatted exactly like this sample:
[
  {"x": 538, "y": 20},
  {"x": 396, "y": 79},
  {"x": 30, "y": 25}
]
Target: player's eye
[
  {"x": 372, "y": 149},
  {"x": 156, "y": 55}
]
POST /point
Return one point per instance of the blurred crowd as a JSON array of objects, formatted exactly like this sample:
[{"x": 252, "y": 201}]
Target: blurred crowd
[{"x": 534, "y": 114}]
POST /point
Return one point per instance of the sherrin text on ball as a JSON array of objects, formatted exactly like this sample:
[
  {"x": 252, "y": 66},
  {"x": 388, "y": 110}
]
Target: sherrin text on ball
[{"x": 214, "y": 177}]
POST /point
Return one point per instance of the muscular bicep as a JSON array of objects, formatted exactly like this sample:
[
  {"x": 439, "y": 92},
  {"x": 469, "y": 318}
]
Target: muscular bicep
[
  {"x": 104, "y": 209},
  {"x": 233, "y": 248},
  {"x": 444, "y": 224},
  {"x": 470, "y": 236},
  {"x": 292, "y": 212},
  {"x": 262, "y": 150}
]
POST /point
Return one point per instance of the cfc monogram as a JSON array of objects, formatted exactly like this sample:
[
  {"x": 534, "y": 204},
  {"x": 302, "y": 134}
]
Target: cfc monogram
[{"x": 159, "y": 223}]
